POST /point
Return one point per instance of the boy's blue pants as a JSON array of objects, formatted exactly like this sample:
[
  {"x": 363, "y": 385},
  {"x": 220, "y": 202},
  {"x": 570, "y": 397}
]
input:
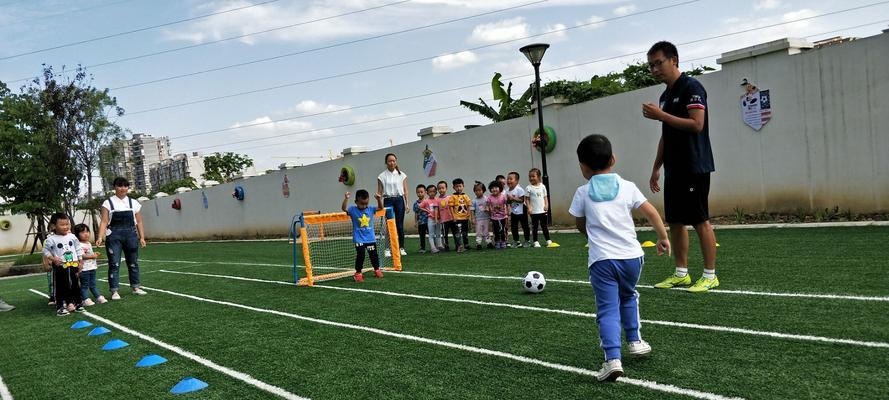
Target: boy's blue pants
[{"x": 617, "y": 302}]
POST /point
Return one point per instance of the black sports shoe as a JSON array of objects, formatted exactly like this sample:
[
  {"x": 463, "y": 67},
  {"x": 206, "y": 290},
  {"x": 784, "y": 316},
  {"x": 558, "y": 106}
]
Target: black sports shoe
[{"x": 478, "y": 246}]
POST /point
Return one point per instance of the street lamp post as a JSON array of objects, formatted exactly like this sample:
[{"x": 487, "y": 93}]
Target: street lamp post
[{"x": 534, "y": 53}]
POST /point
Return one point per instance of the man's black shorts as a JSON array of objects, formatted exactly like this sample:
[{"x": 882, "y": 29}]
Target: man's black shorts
[{"x": 685, "y": 198}]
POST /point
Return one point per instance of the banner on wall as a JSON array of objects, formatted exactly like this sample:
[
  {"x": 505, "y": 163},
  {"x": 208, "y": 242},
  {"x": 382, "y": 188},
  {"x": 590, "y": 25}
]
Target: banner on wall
[
  {"x": 429, "y": 162},
  {"x": 285, "y": 187},
  {"x": 204, "y": 199},
  {"x": 157, "y": 211},
  {"x": 756, "y": 106}
]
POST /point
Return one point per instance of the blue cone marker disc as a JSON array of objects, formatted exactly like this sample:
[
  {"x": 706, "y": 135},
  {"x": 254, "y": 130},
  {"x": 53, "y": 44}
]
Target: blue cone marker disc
[
  {"x": 150, "y": 361},
  {"x": 115, "y": 344},
  {"x": 188, "y": 385},
  {"x": 81, "y": 325},
  {"x": 101, "y": 330}
]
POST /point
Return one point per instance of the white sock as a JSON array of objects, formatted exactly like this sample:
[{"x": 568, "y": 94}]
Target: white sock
[
  {"x": 709, "y": 273},
  {"x": 681, "y": 272}
]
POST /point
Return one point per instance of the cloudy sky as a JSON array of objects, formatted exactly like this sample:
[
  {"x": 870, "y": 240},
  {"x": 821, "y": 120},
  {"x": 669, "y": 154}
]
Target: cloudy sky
[{"x": 292, "y": 78}]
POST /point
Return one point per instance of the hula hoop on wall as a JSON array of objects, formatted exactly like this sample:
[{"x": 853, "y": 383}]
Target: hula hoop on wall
[
  {"x": 347, "y": 175},
  {"x": 239, "y": 193},
  {"x": 5, "y": 225},
  {"x": 550, "y": 138}
]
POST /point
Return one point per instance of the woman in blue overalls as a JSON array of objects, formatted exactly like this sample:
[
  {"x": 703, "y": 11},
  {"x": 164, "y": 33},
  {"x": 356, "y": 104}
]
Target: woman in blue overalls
[{"x": 121, "y": 216}]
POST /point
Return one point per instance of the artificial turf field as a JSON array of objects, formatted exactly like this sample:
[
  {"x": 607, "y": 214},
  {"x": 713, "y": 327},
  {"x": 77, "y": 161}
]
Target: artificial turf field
[{"x": 466, "y": 332}]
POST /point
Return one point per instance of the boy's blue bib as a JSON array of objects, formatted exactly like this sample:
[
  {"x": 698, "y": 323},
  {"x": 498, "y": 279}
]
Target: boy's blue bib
[{"x": 604, "y": 187}]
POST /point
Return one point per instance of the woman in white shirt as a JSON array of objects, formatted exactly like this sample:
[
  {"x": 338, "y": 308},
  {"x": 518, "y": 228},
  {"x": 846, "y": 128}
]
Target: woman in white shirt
[
  {"x": 121, "y": 215},
  {"x": 392, "y": 185}
]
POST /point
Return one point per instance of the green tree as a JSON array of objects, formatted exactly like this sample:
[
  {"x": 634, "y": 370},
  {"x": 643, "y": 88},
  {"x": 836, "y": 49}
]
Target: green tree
[
  {"x": 171, "y": 187},
  {"x": 81, "y": 113},
  {"x": 509, "y": 108},
  {"x": 223, "y": 167},
  {"x": 634, "y": 76},
  {"x": 38, "y": 176}
]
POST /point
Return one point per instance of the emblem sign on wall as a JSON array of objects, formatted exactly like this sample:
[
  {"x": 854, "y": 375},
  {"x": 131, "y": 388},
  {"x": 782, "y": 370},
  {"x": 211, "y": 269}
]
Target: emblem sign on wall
[
  {"x": 429, "y": 162},
  {"x": 756, "y": 105}
]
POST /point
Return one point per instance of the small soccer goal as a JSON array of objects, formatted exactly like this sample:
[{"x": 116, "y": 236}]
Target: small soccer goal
[{"x": 325, "y": 242}]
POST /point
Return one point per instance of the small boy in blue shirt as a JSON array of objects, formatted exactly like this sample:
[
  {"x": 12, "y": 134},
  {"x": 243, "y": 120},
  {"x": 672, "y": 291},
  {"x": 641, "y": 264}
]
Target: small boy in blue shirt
[
  {"x": 603, "y": 211},
  {"x": 363, "y": 235}
]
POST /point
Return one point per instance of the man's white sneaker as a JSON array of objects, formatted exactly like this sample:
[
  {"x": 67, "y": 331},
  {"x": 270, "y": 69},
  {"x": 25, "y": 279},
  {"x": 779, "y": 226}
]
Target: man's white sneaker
[
  {"x": 611, "y": 370},
  {"x": 101, "y": 300},
  {"x": 88, "y": 303},
  {"x": 404, "y": 253},
  {"x": 536, "y": 244},
  {"x": 115, "y": 296},
  {"x": 139, "y": 291},
  {"x": 639, "y": 348}
]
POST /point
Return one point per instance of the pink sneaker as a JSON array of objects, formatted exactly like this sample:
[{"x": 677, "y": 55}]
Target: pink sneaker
[
  {"x": 88, "y": 302},
  {"x": 71, "y": 308},
  {"x": 378, "y": 273},
  {"x": 359, "y": 277},
  {"x": 101, "y": 300}
]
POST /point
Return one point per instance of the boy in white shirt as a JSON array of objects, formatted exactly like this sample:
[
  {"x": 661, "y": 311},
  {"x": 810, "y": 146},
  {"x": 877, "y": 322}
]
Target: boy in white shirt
[
  {"x": 61, "y": 249},
  {"x": 518, "y": 213},
  {"x": 538, "y": 204},
  {"x": 603, "y": 211}
]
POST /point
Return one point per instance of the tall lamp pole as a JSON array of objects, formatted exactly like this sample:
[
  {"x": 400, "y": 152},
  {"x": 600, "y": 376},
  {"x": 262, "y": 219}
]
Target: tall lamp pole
[{"x": 534, "y": 53}]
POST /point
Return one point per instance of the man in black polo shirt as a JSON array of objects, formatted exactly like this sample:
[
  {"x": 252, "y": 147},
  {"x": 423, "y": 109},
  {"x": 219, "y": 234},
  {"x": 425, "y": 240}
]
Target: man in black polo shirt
[{"x": 684, "y": 152}]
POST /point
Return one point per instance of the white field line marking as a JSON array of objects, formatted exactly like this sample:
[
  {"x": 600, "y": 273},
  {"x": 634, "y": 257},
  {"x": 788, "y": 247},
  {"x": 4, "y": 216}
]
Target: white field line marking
[
  {"x": 721, "y": 291},
  {"x": 581, "y": 371},
  {"x": 716, "y": 328},
  {"x": 4, "y": 391},
  {"x": 200, "y": 360}
]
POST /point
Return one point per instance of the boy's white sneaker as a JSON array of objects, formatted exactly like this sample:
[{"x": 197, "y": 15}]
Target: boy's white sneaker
[
  {"x": 88, "y": 303},
  {"x": 101, "y": 300},
  {"x": 388, "y": 253},
  {"x": 639, "y": 348},
  {"x": 536, "y": 244},
  {"x": 404, "y": 253},
  {"x": 139, "y": 291},
  {"x": 611, "y": 370},
  {"x": 115, "y": 296}
]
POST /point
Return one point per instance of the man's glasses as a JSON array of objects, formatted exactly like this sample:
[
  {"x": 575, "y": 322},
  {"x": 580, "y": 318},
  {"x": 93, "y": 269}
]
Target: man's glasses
[{"x": 656, "y": 64}]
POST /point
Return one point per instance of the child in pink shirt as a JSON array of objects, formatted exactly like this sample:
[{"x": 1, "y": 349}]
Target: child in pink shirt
[
  {"x": 444, "y": 213},
  {"x": 430, "y": 205},
  {"x": 499, "y": 212}
]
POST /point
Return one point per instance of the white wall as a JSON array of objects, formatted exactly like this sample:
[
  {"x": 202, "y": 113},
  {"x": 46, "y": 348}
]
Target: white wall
[
  {"x": 11, "y": 241},
  {"x": 822, "y": 148}
]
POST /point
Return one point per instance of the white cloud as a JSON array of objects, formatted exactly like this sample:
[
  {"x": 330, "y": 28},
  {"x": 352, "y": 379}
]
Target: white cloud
[
  {"x": 556, "y": 31},
  {"x": 795, "y": 15},
  {"x": 766, "y": 5},
  {"x": 450, "y": 61},
  {"x": 508, "y": 29},
  {"x": 264, "y": 124},
  {"x": 386, "y": 117},
  {"x": 593, "y": 22},
  {"x": 313, "y": 107},
  {"x": 624, "y": 9}
]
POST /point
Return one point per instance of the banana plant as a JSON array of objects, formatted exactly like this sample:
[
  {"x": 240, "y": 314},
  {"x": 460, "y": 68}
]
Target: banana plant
[{"x": 509, "y": 108}]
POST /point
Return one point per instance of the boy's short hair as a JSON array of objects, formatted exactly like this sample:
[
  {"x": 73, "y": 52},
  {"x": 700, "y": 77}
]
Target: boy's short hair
[
  {"x": 431, "y": 187},
  {"x": 499, "y": 177},
  {"x": 594, "y": 151},
  {"x": 80, "y": 228},
  {"x": 535, "y": 171},
  {"x": 478, "y": 185},
  {"x": 55, "y": 218},
  {"x": 495, "y": 184},
  {"x": 420, "y": 186},
  {"x": 669, "y": 49},
  {"x": 457, "y": 181},
  {"x": 440, "y": 182},
  {"x": 121, "y": 182},
  {"x": 362, "y": 194},
  {"x": 515, "y": 174}
]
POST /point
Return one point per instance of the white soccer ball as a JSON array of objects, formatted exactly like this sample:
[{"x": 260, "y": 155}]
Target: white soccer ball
[{"x": 534, "y": 282}]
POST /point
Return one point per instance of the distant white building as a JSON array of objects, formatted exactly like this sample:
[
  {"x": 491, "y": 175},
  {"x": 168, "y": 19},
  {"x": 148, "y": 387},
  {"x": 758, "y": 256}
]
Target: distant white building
[
  {"x": 132, "y": 160},
  {"x": 176, "y": 168}
]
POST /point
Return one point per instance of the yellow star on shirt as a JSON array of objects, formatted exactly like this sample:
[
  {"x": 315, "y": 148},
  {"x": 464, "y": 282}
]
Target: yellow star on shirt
[{"x": 364, "y": 221}]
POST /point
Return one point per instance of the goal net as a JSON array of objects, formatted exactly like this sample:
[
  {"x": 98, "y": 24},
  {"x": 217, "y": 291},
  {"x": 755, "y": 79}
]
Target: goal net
[{"x": 324, "y": 242}]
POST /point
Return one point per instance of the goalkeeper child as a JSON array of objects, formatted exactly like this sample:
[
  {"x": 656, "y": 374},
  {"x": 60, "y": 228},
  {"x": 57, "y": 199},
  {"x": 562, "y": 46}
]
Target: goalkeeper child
[{"x": 362, "y": 216}]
